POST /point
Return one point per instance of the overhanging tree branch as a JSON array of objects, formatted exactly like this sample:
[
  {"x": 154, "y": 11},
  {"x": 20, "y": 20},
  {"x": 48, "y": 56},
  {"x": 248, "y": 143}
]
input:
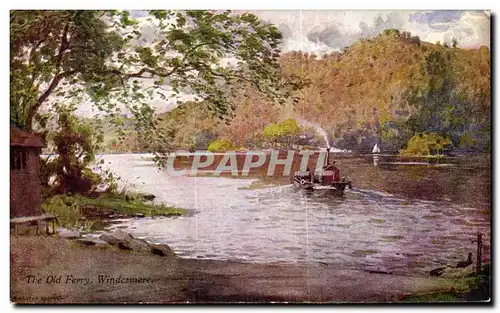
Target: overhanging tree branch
[{"x": 55, "y": 80}]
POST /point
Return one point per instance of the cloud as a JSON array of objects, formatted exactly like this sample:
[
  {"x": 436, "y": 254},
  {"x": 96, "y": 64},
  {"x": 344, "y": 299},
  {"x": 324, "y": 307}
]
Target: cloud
[
  {"x": 473, "y": 30},
  {"x": 138, "y": 13},
  {"x": 285, "y": 30},
  {"x": 436, "y": 21},
  {"x": 336, "y": 37},
  {"x": 436, "y": 17},
  {"x": 328, "y": 31}
]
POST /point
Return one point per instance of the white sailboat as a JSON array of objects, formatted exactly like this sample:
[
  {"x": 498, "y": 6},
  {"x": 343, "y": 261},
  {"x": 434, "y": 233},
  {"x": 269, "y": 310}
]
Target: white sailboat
[{"x": 376, "y": 149}]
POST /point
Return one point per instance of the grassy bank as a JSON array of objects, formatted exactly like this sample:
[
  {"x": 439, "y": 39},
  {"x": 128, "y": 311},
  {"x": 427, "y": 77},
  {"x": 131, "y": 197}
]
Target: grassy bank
[
  {"x": 474, "y": 288},
  {"x": 78, "y": 211}
]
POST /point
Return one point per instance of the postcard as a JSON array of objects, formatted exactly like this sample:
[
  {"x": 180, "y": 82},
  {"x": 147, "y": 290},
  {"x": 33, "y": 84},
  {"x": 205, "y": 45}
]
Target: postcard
[{"x": 260, "y": 156}]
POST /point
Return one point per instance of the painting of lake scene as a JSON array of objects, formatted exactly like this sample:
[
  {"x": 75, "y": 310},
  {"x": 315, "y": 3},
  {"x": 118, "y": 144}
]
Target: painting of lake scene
[{"x": 250, "y": 156}]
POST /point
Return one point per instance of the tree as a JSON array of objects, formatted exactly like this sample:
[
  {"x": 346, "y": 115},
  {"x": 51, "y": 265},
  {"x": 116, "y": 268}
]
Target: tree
[
  {"x": 425, "y": 144},
  {"x": 220, "y": 145},
  {"x": 76, "y": 144},
  {"x": 106, "y": 57},
  {"x": 282, "y": 132},
  {"x": 392, "y": 32},
  {"x": 51, "y": 50}
]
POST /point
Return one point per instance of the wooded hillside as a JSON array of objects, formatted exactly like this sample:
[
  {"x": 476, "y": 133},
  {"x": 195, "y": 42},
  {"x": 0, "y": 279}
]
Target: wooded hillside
[{"x": 384, "y": 89}]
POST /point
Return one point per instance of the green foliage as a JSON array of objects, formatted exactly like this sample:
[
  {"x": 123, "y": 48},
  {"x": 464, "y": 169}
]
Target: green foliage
[
  {"x": 104, "y": 56},
  {"x": 392, "y": 32},
  {"x": 70, "y": 210},
  {"x": 283, "y": 129},
  {"x": 445, "y": 297},
  {"x": 76, "y": 144},
  {"x": 283, "y": 134},
  {"x": 467, "y": 140},
  {"x": 69, "y": 214},
  {"x": 220, "y": 145},
  {"x": 58, "y": 54},
  {"x": 120, "y": 204},
  {"x": 440, "y": 105},
  {"x": 424, "y": 144},
  {"x": 461, "y": 289}
]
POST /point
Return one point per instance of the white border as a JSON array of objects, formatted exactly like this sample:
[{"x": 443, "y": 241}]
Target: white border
[
  {"x": 191, "y": 4},
  {"x": 256, "y": 4}
]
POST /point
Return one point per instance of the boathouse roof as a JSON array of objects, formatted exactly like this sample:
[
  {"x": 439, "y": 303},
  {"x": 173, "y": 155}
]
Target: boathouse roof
[{"x": 19, "y": 137}]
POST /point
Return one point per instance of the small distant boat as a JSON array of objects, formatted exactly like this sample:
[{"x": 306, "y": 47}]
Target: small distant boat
[{"x": 376, "y": 149}]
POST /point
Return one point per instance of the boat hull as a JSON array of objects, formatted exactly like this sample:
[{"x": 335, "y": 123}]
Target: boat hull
[{"x": 334, "y": 186}]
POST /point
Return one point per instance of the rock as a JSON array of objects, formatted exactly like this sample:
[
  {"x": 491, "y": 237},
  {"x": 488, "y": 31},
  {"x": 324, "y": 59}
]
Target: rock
[
  {"x": 109, "y": 239},
  {"x": 139, "y": 215},
  {"x": 172, "y": 215},
  {"x": 120, "y": 234},
  {"x": 124, "y": 246},
  {"x": 380, "y": 272},
  {"x": 125, "y": 241},
  {"x": 466, "y": 263},
  {"x": 68, "y": 233},
  {"x": 138, "y": 245},
  {"x": 148, "y": 197},
  {"x": 90, "y": 241},
  {"x": 437, "y": 271},
  {"x": 116, "y": 238},
  {"x": 162, "y": 250}
]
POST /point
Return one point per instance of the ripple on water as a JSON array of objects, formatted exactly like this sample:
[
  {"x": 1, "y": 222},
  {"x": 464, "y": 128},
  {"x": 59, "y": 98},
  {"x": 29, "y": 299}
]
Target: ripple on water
[{"x": 363, "y": 229}]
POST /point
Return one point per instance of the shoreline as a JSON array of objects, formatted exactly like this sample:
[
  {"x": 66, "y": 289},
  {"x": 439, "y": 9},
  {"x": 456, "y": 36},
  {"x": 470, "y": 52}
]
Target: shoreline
[
  {"x": 77, "y": 211},
  {"x": 70, "y": 274}
]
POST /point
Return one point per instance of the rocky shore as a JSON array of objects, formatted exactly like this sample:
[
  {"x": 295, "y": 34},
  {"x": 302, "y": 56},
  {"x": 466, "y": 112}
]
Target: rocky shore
[{"x": 129, "y": 270}]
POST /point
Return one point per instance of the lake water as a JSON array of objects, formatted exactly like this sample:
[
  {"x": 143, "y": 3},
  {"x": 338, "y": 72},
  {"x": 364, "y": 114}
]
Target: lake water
[{"x": 396, "y": 219}]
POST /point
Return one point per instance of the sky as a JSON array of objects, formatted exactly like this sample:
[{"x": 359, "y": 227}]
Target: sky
[
  {"x": 327, "y": 31},
  {"x": 323, "y": 31}
]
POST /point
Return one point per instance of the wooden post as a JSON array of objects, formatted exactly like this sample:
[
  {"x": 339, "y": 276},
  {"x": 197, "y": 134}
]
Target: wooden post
[{"x": 479, "y": 252}]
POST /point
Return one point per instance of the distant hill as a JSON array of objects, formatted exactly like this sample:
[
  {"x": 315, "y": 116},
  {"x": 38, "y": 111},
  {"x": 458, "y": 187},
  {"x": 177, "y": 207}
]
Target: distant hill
[
  {"x": 384, "y": 89},
  {"x": 390, "y": 87}
]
